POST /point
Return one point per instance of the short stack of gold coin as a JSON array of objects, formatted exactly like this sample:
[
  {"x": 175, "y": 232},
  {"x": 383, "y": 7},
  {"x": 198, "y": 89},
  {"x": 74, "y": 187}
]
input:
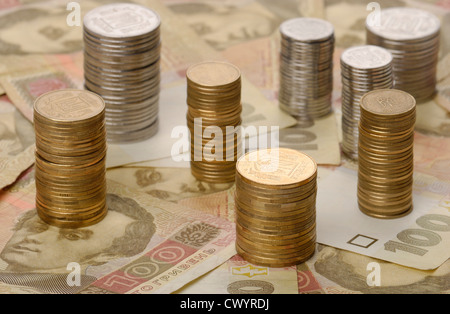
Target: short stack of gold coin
[
  {"x": 385, "y": 164},
  {"x": 214, "y": 119},
  {"x": 276, "y": 207},
  {"x": 70, "y": 158}
]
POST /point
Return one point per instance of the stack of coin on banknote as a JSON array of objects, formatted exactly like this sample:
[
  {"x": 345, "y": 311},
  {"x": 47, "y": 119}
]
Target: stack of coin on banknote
[
  {"x": 306, "y": 67},
  {"x": 385, "y": 161},
  {"x": 122, "y": 53},
  {"x": 412, "y": 36},
  {"x": 70, "y": 158},
  {"x": 276, "y": 207},
  {"x": 214, "y": 119},
  {"x": 363, "y": 69}
]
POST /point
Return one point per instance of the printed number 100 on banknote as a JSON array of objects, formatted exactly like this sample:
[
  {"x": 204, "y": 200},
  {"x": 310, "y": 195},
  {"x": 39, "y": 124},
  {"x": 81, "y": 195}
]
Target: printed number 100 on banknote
[{"x": 420, "y": 240}]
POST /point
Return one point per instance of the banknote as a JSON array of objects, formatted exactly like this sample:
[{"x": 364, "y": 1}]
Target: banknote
[
  {"x": 221, "y": 202},
  {"x": 432, "y": 119},
  {"x": 432, "y": 157},
  {"x": 237, "y": 276},
  {"x": 319, "y": 139},
  {"x": 181, "y": 48},
  {"x": 419, "y": 240},
  {"x": 249, "y": 20},
  {"x": 335, "y": 271},
  {"x": 253, "y": 44},
  {"x": 172, "y": 139},
  {"x": 322, "y": 273},
  {"x": 16, "y": 143},
  {"x": 170, "y": 184},
  {"x": 328, "y": 271},
  {"x": 443, "y": 83},
  {"x": 350, "y": 28},
  {"x": 24, "y": 87},
  {"x": 143, "y": 245},
  {"x": 331, "y": 270},
  {"x": 350, "y": 31},
  {"x": 256, "y": 19},
  {"x": 257, "y": 51},
  {"x": 40, "y": 27},
  {"x": 50, "y": 72},
  {"x": 443, "y": 96},
  {"x": 443, "y": 69}
]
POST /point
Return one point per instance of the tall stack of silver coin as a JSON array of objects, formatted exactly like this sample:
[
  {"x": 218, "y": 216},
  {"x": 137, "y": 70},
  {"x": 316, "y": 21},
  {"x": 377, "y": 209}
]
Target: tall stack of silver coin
[
  {"x": 363, "y": 69},
  {"x": 413, "y": 37},
  {"x": 306, "y": 67},
  {"x": 122, "y": 53}
]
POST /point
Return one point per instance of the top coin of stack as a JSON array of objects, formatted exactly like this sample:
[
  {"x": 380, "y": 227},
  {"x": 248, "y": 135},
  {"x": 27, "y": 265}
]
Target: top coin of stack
[
  {"x": 386, "y": 148},
  {"x": 363, "y": 69},
  {"x": 276, "y": 207},
  {"x": 70, "y": 158},
  {"x": 412, "y": 36},
  {"x": 306, "y": 67},
  {"x": 122, "y": 52}
]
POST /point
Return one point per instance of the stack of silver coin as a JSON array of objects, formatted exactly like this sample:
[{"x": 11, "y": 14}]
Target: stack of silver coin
[
  {"x": 412, "y": 36},
  {"x": 363, "y": 69},
  {"x": 122, "y": 64},
  {"x": 306, "y": 67}
]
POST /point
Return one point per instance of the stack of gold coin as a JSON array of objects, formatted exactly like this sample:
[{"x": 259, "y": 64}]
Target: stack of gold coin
[
  {"x": 306, "y": 67},
  {"x": 363, "y": 69},
  {"x": 276, "y": 207},
  {"x": 412, "y": 36},
  {"x": 70, "y": 158},
  {"x": 214, "y": 119},
  {"x": 122, "y": 64},
  {"x": 385, "y": 161}
]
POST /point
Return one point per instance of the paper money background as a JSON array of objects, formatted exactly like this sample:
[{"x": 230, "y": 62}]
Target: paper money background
[{"x": 40, "y": 52}]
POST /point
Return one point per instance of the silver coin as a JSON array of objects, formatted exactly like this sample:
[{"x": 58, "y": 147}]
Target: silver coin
[
  {"x": 117, "y": 136},
  {"x": 363, "y": 69},
  {"x": 366, "y": 57},
  {"x": 412, "y": 36},
  {"x": 306, "y": 67},
  {"x": 405, "y": 24},
  {"x": 307, "y": 29},
  {"x": 121, "y": 20}
]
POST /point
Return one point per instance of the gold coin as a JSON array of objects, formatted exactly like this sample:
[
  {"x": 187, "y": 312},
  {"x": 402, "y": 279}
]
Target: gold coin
[
  {"x": 274, "y": 261},
  {"x": 213, "y": 74},
  {"x": 70, "y": 157},
  {"x": 275, "y": 238},
  {"x": 388, "y": 102},
  {"x": 385, "y": 153},
  {"x": 73, "y": 223},
  {"x": 69, "y": 105},
  {"x": 277, "y": 250},
  {"x": 281, "y": 167}
]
